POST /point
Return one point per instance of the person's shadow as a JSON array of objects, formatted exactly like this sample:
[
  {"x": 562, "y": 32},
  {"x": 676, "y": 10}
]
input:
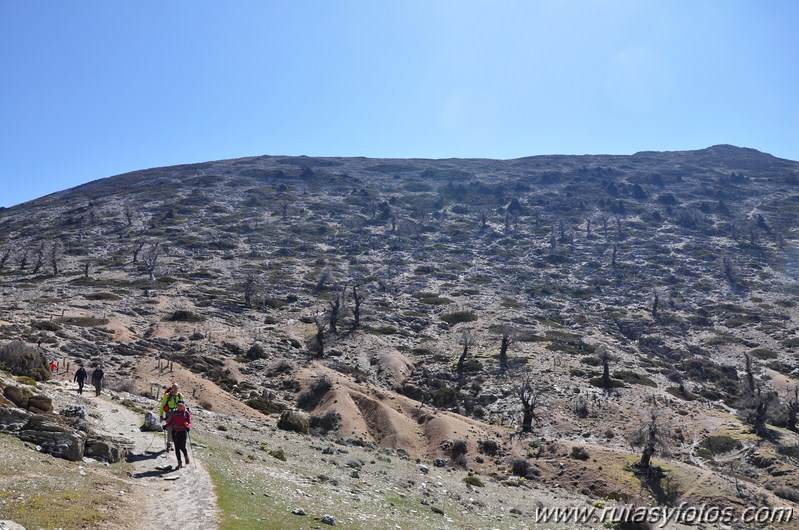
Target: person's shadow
[
  {"x": 157, "y": 472},
  {"x": 147, "y": 455}
]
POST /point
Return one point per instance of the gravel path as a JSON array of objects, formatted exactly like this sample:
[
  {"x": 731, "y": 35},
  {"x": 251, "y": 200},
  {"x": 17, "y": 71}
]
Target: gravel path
[{"x": 162, "y": 495}]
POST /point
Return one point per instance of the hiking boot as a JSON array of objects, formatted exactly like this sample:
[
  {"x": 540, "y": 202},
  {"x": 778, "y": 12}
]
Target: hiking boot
[
  {"x": 179, "y": 466},
  {"x": 169, "y": 446},
  {"x": 187, "y": 460}
]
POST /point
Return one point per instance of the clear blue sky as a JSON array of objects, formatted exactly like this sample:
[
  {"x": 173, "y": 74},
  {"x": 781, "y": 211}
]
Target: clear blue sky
[{"x": 94, "y": 88}]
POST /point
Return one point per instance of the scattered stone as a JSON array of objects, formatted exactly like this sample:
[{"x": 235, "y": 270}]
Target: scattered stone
[
  {"x": 74, "y": 411},
  {"x": 423, "y": 468},
  {"x": 298, "y": 511},
  {"x": 329, "y": 519},
  {"x": 440, "y": 462},
  {"x": 437, "y": 510}
]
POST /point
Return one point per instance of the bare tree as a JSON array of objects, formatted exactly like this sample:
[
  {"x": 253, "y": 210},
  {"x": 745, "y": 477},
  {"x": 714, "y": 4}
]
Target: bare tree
[
  {"x": 335, "y": 307},
  {"x": 655, "y": 302},
  {"x": 467, "y": 339},
  {"x": 127, "y": 211},
  {"x": 652, "y": 438},
  {"x": 23, "y": 260},
  {"x": 39, "y": 253},
  {"x": 750, "y": 376},
  {"x": 87, "y": 263},
  {"x": 4, "y": 257},
  {"x": 530, "y": 391},
  {"x": 323, "y": 278},
  {"x": 357, "y": 300},
  {"x": 137, "y": 246},
  {"x": 317, "y": 344},
  {"x": 56, "y": 253},
  {"x": 605, "y": 358},
  {"x": 763, "y": 401},
  {"x": 250, "y": 287},
  {"x": 505, "y": 343},
  {"x": 793, "y": 409},
  {"x": 730, "y": 273},
  {"x": 150, "y": 258}
]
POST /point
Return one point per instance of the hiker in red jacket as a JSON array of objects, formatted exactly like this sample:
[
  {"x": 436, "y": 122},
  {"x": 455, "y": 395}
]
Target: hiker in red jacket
[{"x": 180, "y": 423}]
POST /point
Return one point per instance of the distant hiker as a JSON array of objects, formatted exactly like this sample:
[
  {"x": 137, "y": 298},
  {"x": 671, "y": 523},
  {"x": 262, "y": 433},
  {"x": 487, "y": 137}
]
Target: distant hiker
[
  {"x": 169, "y": 404},
  {"x": 80, "y": 377},
  {"x": 53, "y": 366},
  {"x": 179, "y": 423},
  {"x": 97, "y": 379}
]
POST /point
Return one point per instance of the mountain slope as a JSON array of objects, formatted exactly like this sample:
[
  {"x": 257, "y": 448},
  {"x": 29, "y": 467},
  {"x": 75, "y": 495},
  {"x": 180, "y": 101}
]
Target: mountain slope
[{"x": 672, "y": 269}]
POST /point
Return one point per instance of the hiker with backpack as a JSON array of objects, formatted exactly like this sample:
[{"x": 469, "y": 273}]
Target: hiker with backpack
[
  {"x": 169, "y": 403},
  {"x": 179, "y": 424},
  {"x": 97, "y": 379},
  {"x": 80, "y": 377}
]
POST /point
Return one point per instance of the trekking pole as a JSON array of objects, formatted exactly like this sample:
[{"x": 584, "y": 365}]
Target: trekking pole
[
  {"x": 155, "y": 435},
  {"x": 188, "y": 433}
]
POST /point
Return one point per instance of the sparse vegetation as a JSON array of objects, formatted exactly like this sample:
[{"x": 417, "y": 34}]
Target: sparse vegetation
[{"x": 585, "y": 285}]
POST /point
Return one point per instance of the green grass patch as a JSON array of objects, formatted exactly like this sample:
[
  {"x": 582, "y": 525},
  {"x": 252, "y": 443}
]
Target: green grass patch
[
  {"x": 431, "y": 298},
  {"x": 40, "y": 491},
  {"x": 474, "y": 481},
  {"x": 763, "y": 353},
  {"x": 102, "y": 296},
  {"x": 458, "y": 317},
  {"x": 600, "y": 383},
  {"x": 82, "y": 322},
  {"x": 183, "y": 315},
  {"x": 634, "y": 378},
  {"x": 265, "y": 406},
  {"x": 720, "y": 443}
]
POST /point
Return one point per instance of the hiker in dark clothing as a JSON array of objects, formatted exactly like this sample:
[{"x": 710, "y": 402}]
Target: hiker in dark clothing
[
  {"x": 80, "y": 377},
  {"x": 97, "y": 379},
  {"x": 180, "y": 423}
]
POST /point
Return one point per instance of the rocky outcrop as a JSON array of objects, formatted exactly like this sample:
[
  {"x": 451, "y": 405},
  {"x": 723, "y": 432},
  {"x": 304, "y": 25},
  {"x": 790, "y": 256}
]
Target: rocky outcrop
[
  {"x": 64, "y": 436},
  {"x": 54, "y": 437},
  {"x": 22, "y": 398},
  {"x": 105, "y": 449}
]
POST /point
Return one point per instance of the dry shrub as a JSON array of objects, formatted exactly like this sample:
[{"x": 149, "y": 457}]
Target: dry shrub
[
  {"x": 20, "y": 359},
  {"x": 123, "y": 385},
  {"x": 325, "y": 422},
  {"x": 311, "y": 397},
  {"x": 293, "y": 421},
  {"x": 787, "y": 493}
]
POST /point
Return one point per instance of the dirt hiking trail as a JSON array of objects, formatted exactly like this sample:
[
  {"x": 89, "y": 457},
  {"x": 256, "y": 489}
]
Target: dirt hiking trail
[{"x": 162, "y": 495}]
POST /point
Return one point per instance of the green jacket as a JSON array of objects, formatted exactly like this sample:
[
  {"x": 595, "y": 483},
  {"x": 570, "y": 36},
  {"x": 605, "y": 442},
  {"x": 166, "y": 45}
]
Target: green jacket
[{"x": 170, "y": 401}]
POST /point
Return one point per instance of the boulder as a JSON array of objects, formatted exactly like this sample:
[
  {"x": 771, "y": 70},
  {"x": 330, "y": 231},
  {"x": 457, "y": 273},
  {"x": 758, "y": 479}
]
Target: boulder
[
  {"x": 17, "y": 396},
  {"x": 105, "y": 449},
  {"x": 12, "y": 419},
  {"x": 54, "y": 437},
  {"x": 39, "y": 404},
  {"x": 151, "y": 422}
]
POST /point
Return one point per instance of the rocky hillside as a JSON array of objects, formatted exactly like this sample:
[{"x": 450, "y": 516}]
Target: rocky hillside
[{"x": 502, "y": 316}]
